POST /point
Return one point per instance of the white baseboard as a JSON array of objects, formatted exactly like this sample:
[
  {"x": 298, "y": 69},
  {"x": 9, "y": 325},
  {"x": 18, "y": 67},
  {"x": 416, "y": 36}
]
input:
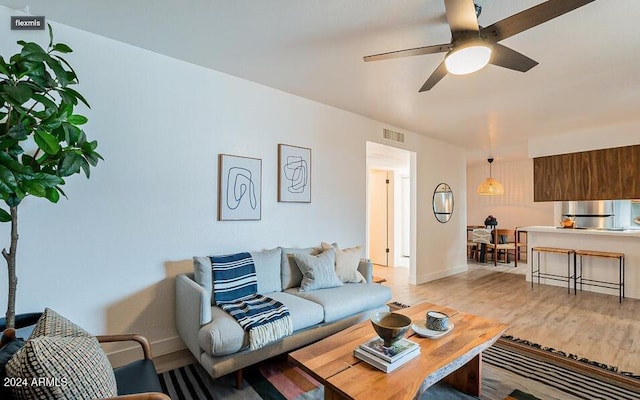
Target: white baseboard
[
  {"x": 424, "y": 278},
  {"x": 158, "y": 348}
]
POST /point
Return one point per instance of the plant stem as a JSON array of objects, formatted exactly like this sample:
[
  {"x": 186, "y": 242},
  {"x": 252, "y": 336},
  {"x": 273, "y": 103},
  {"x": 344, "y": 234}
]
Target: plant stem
[{"x": 11, "y": 269}]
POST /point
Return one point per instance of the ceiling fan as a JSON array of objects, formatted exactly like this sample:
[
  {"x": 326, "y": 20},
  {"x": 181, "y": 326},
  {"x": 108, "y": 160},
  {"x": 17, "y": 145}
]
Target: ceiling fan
[{"x": 473, "y": 46}]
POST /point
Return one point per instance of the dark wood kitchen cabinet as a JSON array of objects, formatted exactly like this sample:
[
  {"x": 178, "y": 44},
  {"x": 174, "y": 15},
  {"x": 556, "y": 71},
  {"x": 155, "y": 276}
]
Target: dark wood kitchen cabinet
[{"x": 589, "y": 175}]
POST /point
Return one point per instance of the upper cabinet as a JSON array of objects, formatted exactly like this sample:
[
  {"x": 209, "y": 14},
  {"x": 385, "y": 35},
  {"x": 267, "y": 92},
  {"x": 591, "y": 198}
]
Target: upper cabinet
[{"x": 589, "y": 175}]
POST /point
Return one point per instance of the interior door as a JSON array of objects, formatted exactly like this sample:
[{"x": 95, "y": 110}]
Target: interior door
[{"x": 379, "y": 216}]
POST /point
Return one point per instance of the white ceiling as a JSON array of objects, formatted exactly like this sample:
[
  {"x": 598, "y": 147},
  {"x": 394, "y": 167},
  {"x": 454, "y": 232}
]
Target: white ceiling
[{"x": 588, "y": 74}]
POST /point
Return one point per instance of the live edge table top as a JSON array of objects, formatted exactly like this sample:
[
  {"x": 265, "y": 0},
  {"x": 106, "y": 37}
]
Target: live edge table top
[{"x": 454, "y": 357}]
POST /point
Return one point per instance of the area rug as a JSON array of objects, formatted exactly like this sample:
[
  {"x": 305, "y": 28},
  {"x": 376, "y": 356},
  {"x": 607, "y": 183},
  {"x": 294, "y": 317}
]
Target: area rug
[
  {"x": 531, "y": 370},
  {"x": 274, "y": 379},
  {"x": 512, "y": 370}
]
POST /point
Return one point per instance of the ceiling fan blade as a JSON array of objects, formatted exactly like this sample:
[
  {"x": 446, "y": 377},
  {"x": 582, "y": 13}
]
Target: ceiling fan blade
[
  {"x": 417, "y": 51},
  {"x": 435, "y": 77},
  {"x": 529, "y": 18},
  {"x": 503, "y": 56},
  {"x": 461, "y": 15}
]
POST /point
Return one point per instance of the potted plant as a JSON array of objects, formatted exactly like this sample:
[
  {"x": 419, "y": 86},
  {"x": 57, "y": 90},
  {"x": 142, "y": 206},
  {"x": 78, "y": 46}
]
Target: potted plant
[{"x": 41, "y": 141}]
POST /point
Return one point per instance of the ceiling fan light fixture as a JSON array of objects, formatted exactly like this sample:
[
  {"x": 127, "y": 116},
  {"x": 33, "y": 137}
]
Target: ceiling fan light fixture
[
  {"x": 490, "y": 186},
  {"x": 467, "y": 59}
]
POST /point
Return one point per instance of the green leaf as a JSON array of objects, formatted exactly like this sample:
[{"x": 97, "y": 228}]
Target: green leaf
[
  {"x": 7, "y": 177},
  {"x": 4, "y": 68},
  {"x": 50, "y": 29},
  {"x": 52, "y": 195},
  {"x": 62, "y": 48},
  {"x": 30, "y": 161},
  {"x": 70, "y": 165},
  {"x": 72, "y": 133},
  {"x": 65, "y": 109},
  {"x": 20, "y": 93},
  {"x": 13, "y": 165},
  {"x": 18, "y": 132},
  {"x": 4, "y": 216},
  {"x": 72, "y": 75},
  {"x": 47, "y": 142},
  {"x": 85, "y": 167},
  {"x": 33, "y": 52},
  {"x": 45, "y": 101},
  {"x": 13, "y": 200},
  {"x": 77, "y": 95},
  {"x": 47, "y": 180},
  {"x": 51, "y": 123},
  {"x": 59, "y": 71},
  {"x": 34, "y": 188},
  {"x": 33, "y": 68},
  {"x": 77, "y": 119}
]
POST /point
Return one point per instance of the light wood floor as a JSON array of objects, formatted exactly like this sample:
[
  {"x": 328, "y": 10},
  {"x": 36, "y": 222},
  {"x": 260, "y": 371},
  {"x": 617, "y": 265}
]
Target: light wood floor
[{"x": 590, "y": 325}]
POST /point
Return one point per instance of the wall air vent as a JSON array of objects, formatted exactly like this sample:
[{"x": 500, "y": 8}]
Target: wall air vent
[{"x": 392, "y": 135}]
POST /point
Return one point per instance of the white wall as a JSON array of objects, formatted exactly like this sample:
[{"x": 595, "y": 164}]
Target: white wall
[
  {"x": 516, "y": 207},
  {"x": 107, "y": 256}
]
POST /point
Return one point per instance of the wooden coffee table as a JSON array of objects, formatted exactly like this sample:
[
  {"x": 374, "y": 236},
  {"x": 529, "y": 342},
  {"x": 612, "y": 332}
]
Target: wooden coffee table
[{"x": 454, "y": 358}]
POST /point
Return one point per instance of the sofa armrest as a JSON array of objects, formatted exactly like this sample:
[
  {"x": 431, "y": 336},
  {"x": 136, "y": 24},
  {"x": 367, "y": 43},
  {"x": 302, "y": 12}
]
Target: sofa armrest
[
  {"x": 366, "y": 269},
  {"x": 193, "y": 309}
]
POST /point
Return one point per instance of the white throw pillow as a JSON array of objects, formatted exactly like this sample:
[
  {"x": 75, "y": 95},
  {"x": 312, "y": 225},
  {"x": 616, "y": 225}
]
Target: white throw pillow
[
  {"x": 347, "y": 262},
  {"x": 318, "y": 272}
]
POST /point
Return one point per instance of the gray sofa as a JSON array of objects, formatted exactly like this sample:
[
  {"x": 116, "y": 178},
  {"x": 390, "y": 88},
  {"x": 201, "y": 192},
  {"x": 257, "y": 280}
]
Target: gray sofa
[{"x": 221, "y": 345}]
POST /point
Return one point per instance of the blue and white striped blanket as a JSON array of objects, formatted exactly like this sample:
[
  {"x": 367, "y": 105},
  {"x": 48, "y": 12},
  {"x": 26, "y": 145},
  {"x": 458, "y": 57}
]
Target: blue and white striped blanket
[{"x": 235, "y": 291}]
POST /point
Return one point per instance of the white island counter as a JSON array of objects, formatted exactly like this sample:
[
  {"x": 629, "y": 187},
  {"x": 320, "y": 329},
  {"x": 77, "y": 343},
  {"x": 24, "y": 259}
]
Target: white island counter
[{"x": 626, "y": 241}]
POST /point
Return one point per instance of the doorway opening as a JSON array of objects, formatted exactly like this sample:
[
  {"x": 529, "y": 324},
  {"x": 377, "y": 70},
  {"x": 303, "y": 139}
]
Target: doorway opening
[{"x": 389, "y": 205}]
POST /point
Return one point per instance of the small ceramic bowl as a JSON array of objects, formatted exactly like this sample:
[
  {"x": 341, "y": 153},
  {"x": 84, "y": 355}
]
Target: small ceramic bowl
[{"x": 390, "y": 326}]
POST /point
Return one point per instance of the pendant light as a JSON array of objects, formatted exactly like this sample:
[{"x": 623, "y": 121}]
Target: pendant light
[{"x": 490, "y": 186}]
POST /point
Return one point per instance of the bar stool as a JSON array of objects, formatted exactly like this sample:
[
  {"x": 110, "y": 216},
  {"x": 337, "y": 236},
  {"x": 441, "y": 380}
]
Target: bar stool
[
  {"x": 564, "y": 278},
  {"x": 603, "y": 284}
]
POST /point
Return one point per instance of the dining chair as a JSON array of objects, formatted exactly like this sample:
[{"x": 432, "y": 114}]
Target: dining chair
[
  {"x": 482, "y": 238},
  {"x": 504, "y": 242}
]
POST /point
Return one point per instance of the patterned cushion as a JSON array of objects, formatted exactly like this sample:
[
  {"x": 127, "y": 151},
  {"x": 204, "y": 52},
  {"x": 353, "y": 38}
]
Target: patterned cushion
[
  {"x": 318, "y": 272},
  {"x": 53, "y": 324},
  {"x": 347, "y": 261},
  {"x": 62, "y": 368}
]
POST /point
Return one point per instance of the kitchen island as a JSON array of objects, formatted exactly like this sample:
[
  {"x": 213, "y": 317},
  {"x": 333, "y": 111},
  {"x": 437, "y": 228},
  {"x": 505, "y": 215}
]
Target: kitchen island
[{"x": 594, "y": 268}]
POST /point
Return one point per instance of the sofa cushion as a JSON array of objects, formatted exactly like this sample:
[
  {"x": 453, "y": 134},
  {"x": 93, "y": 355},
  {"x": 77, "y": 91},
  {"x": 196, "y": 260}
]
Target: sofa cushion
[
  {"x": 289, "y": 271},
  {"x": 347, "y": 261},
  {"x": 223, "y": 335},
  {"x": 304, "y": 313},
  {"x": 55, "y": 325},
  {"x": 318, "y": 272},
  {"x": 64, "y": 367},
  {"x": 346, "y": 300},
  {"x": 267, "y": 264}
]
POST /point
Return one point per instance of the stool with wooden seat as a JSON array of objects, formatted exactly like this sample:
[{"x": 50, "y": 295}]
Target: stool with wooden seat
[
  {"x": 603, "y": 284},
  {"x": 545, "y": 275}
]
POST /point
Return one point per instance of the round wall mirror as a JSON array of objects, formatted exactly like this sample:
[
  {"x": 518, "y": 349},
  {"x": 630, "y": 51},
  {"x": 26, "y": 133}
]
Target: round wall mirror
[{"x": 443, "y": 202}]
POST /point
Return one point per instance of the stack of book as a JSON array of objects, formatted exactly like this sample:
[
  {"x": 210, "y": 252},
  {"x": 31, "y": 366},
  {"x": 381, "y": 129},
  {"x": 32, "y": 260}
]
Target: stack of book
[{"x": 387, "y": 358}]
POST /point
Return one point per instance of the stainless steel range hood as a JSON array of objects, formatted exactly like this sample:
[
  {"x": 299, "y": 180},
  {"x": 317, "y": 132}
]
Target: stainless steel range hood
[{"x": 597, "y": 214}]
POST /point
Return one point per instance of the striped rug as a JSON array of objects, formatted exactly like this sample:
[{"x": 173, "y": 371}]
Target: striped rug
[
  {"x": 274, "y": 379},
  {"x": 549, "y": 373},
  {"x": 511, "y": 371}
]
